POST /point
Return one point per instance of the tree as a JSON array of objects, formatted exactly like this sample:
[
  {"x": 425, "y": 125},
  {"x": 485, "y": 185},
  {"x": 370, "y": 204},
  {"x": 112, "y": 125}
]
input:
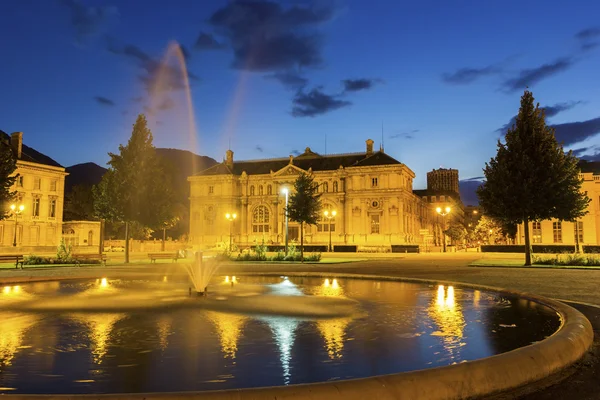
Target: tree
[
  {"x": 531, "y": 178},
  {"x": 456, "y": 232},
  {"x": 304, "y": 205},
  {"x": 8, "y": 165},
  {"x": 79, "y": 204},
  {"x": 135, "y": 187}
]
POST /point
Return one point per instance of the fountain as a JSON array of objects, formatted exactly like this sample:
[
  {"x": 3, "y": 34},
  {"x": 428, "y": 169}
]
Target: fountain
[{"x": 200, "y": 273}]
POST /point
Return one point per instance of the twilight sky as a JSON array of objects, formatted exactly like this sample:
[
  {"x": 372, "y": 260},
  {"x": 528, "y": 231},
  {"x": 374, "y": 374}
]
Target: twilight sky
[{"x": 443, "y": 77}]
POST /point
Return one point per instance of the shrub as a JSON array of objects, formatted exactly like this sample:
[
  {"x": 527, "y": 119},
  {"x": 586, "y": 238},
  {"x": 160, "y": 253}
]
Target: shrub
[
  {"x": 63, "y": 253},
  {"x": 261, "y": 252},
  {"x": 36, "y": 260},
  {"x": 568, "y": 260},
  {"x": 280, "y": 256}
]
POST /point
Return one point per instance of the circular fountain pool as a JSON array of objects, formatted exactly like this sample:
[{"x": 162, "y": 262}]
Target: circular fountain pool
[{"x": 132, "y": 336}]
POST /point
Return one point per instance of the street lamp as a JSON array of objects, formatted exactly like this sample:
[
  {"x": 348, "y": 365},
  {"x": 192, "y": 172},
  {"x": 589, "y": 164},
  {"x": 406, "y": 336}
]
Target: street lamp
[
  {"x": 230, "y": 218},
  {"x": 16, "y": 211},
  {"x": 443, "y": 213},
  {"x": 329, "y": 216},
  {"x": 286, "y": 192}
]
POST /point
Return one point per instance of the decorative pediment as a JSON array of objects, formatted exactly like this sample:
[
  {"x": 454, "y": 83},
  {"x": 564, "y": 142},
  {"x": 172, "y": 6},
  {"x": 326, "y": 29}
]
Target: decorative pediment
[{"x": 289, "y": 170}]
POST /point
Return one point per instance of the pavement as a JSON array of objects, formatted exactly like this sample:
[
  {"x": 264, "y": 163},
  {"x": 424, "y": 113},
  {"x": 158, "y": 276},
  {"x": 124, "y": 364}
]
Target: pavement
[{"x": 578, "y": 288}]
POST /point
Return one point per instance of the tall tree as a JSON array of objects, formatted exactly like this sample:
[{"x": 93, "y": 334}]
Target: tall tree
[
  {"x": 8, "y": 165},
  {"x": 135, "y": 188},
  {"x": 304, "y": 205},
  {"x": 79, "y": 204},
  {"x": 456, "y": 232},
  {"x": 531, "y": 178}
]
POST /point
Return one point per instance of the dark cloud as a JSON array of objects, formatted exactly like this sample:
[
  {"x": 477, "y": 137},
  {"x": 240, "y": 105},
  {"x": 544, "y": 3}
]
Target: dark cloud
[
  {"x": 295, "y": 152},
  {"x": 265, "y": 36},
  {"x": 316, "y": 102},
  {"x": 575, "y": 132},
  {"x": 589, "y": 33},
  {"x": 156, "y": 75},
  {"x": 259, "y": 149},
  {"x": 166, "y": 104},
  {"x": 529, "y": 77},
  {"x": 589, "y": 46},
  {"x": 581, "y": 151},
  {"x": 467, "y": 75},
  {"x": 290, "y": 80},
  {"x": 354, "y": 85},
  {"x": 89, "y": 20},
  {"x": 406, "y": 135},
  {"x": 104, "y": 101},
  {"x": 549, "y": 111},
  {"x": 206, "y": 41}
]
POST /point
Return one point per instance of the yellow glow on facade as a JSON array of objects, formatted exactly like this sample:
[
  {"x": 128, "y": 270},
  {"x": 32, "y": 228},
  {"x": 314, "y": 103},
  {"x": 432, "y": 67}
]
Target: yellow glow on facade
[
  {"x": 229, "y": 329},
  {"x": 165, "y": 279},
  {"x": 333, "y": 332}
]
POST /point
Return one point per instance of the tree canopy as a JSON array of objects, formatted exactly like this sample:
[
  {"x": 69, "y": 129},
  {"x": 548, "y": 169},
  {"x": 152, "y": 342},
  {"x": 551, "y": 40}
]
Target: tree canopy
[
  {"x": 8, "y": 165},
  {"x": 531, "y": 178},
  {"x": 304, "y": 205}
]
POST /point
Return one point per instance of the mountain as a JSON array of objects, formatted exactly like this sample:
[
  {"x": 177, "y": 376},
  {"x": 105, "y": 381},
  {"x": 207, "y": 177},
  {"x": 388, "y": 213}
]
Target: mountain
[
  {"x": 83, "y": 174},
  {"x": 467, "y": 189}
]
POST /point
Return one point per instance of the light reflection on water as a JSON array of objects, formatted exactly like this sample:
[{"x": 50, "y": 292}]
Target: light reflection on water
[{"x": 398, "y": 327}]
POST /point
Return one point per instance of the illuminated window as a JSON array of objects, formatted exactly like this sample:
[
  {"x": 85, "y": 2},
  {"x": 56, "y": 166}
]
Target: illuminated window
[
  {"x": 335, "y": 187},
  {"x": 52, "y": 209},
  {"x": 37, "y": 183},
  {"x": 557, "y": 231},
  {"x": 374, "y": 182},
  {"x": 578, "y": 227},
  {"x": 211, "y": 189},
  {"x": 375, "y": 223},
  {"x": 53, "y": 185},
  {"x": 36, "y": 207},
  {"x": 260, "y": 219},
  {"x": 536, "y": 232}
]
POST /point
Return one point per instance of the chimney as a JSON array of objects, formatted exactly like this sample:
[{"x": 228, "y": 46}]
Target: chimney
[
  {"x": 229, "y": 158},
  {"x": 16, "y": 142},
  {"x": 369, "y": 146}
]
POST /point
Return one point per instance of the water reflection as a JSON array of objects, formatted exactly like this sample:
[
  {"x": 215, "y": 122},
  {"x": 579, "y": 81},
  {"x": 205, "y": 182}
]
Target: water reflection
[
  {"x": 447, "y": 314},
  {"x": 333, "y": 331},
  {"x": 12, "y": 332},
  {"x": 164, "y": 327},
  {"x": 284, "y": 333},
  {"x": 100, "y": 326},
  {"x": 229, "y": 328}
]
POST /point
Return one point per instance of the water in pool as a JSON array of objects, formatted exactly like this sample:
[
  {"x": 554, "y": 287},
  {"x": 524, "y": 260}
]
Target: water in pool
[{"x": 131, "y": 336}]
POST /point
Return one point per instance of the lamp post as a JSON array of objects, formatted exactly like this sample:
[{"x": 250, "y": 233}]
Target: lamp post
[
  {"x": 230, "y": 217},
  {"x": 443, "y": 213},
  {"x": 16, "y": 211},
  {"x": 286, "y": 192},
  {"x": 329, "y": 216}
]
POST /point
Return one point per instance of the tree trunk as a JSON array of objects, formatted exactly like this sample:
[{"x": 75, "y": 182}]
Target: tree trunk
[
  {"x": 126, "y": 242},
  {"x": 527, "y": 243},
  {"x": 163, "y": 240},
  {"x": 301, "y": 242}
]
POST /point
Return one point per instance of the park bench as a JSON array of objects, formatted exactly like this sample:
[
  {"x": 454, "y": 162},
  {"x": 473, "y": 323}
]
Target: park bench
[
  {"x": 163, "y": 256},
  {"x": 79, "y": 258},
  {"x": 17, "y": 258}
]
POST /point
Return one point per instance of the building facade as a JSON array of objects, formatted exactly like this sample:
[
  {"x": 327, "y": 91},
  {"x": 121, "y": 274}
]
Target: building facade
[
  {"x": 443, "y": 179},
  {"x": 434, "y": 199},
  {"x": 371, "y": 193},
  {"x": 40, "y": 190},
  {"x": 82, "y": 236}
]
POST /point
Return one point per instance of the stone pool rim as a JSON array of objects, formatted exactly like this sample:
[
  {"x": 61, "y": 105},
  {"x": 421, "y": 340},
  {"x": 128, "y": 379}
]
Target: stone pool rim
[{"x": 469, "y": 379}]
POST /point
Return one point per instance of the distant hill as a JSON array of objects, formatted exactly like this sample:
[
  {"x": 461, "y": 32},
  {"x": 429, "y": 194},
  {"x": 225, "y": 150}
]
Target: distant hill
[
  {"x": 467, "y": 189},
  {"x": 83, "y": 174}
]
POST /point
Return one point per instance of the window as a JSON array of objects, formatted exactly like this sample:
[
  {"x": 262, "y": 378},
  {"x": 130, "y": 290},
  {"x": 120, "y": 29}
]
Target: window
[
  {"x": 578, "y": 227},
  {"x": 52, "y": 209},
  {"x": 260, "y": 219},
  {"x": 335, "y": 187},
  {"x": 375, "y": 223},
  {"x": 211, "y": 189},
  {"x": 53, "y": 185},
  {"x": 269, "y": 189},
  {"x": 323, "y": 224},
  {"x": 252, "y": 190},
  {"x": 536, "y": 232},
  {"x": 433, "y": 199},
  {"x": 373, "y": 182},
  {"x": 37, "y": 183},
  {"x": 325, "y": 187},
  {"x": 557, "y": 231},
  {"x": 260, "y": 190},
  {"x": 36, "y": 207},
  {"x": 20, "y": 181}
]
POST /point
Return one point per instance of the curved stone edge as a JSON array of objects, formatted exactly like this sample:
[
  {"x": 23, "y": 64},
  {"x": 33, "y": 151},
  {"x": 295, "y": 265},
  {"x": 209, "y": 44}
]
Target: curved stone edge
[{"x": 465, "y": 380}]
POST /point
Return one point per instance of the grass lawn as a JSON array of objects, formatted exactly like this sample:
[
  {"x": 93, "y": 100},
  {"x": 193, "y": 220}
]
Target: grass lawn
[{"x": 519, "y": 264}]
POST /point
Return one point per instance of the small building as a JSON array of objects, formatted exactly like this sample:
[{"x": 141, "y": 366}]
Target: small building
[
  {"x": 40, "y": 190},
  {"x": 82, "y": 236}
]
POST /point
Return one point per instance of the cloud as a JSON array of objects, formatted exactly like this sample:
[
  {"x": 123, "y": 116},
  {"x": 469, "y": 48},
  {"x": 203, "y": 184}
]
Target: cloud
[
  {"x": 290, "y": 80},
  {"x": 264, "y": 36},
  {"x": 589, "y": 33},
  {"x": 104, "y": 101},
  {"x": 574, "y": 132},
  {"x": 156, "y": 75},
  {"x": 89, "y": 20},
  {"x": 295, "y": 152},
  {"x": 316, "y": 102},
  {"x": 529, "y": 77},
  {"x": 259, "y": 149},
  {"x": 406, "y": 135},
  {"x": 206, "y": 41},
  {"x": 589, "y": 46},
  {"x": 467, "y": 75},
  {"x": 549, "y": 111},
  {"x": 354, "y": 85}
]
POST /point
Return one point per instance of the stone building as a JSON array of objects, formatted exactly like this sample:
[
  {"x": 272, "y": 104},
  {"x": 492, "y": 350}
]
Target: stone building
[
  {"x": 442, "y": 199},
  {"x": 443, "y": 179},
  {"x": 40, "y": 190},
  {"x": 82, "y": 236},
  {"x": 370, "y": 191}
]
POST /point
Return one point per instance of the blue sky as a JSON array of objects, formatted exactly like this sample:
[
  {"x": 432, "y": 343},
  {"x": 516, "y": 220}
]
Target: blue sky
[{"x": 275, "y": 77}]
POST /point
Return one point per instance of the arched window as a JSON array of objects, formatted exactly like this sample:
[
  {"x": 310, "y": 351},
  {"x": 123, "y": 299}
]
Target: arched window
[
  {"x": 260, "y": 190},
  {"x": 335, "y": 187},
  {"x": 252, "y": 190},
  {"x": 324, "y": 221},
  {"x": 325, "y": 187},
  {"x": 260, "y": 219},
  {"x": 269, "y": 189}
]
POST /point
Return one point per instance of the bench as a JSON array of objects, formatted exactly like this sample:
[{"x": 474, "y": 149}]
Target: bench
[
  {"x": 17, "y": 258},
  {"x": 163, "y": 256},
  {"x": 89, "y": 257}
]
